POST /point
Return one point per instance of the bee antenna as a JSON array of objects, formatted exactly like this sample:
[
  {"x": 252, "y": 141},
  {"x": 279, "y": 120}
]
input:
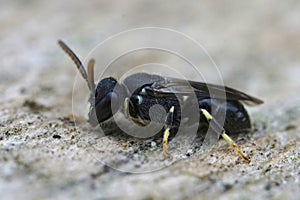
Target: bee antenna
[
  {"x": 74, "y": 58},
  {"x": 88, "y": 77}
]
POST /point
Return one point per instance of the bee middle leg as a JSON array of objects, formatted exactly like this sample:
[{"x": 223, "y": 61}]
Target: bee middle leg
[{"x": 168, "y": 123}]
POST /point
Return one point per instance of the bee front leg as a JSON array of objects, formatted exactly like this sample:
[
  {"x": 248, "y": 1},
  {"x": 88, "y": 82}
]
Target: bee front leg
[
  {"x": 168, "y": 123},
  {"x": 219, "y": 129},
  {"x": 127, "y": 114}
]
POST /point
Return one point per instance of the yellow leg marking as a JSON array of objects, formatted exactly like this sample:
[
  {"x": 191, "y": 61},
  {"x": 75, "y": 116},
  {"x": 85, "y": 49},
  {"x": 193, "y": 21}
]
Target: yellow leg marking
[
  {"x": 165, "y": 141},
  {"x": 206, "y": 114},
  {"x": 234, "y": 146},
  {"x": 126, "y": 107},
  {"x": 166, "y": 136},
  {"x": 226, "y": 137}
]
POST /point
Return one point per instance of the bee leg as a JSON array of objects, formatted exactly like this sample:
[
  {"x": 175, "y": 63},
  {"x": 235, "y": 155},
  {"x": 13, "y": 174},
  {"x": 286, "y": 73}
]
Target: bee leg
[
  {"x": 219, "y": 129},
  {"x": 168, "y": 123},
  {"x": 127, "y": 114}
]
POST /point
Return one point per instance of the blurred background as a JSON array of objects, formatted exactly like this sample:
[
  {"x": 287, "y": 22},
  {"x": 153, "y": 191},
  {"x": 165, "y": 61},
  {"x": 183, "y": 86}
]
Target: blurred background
[{"x": 255, "y": 45}]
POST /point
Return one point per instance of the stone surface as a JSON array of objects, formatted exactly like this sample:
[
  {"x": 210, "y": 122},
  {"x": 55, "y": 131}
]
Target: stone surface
[{"x": 45, "y": 155}]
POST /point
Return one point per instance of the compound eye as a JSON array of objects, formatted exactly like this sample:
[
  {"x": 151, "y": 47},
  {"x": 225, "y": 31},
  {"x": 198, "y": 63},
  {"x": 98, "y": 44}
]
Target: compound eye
[
  {"x": 113, "y": 96},
  {"x": 111, "y": 99},
  {"x": 116, "y": 101},
  {"x": 105, "y": 108}
]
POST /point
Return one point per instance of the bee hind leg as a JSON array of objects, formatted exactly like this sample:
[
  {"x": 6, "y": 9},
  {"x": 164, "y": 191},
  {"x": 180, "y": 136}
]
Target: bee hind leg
[{"x": 220, "y": 130}]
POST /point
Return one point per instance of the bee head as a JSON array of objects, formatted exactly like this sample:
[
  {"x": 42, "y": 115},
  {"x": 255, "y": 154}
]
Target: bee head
[
  {"x": 101, "y": 96},
  {"x": 106, "y": 94}
]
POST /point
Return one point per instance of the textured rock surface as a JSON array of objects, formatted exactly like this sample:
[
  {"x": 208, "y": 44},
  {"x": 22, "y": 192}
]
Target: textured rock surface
[{"x": 44, "y": 154}]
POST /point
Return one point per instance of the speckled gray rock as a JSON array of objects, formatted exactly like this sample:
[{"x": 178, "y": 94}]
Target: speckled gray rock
[{"x": 45, "y": 155}]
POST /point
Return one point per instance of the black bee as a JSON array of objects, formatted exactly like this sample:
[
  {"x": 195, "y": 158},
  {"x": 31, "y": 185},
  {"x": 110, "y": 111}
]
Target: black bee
[{"x": 139, "y": 92}]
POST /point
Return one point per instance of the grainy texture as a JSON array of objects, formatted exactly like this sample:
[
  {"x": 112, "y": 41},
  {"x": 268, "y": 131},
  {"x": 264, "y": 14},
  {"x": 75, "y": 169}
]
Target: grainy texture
[{"x": 45, "y": 155}]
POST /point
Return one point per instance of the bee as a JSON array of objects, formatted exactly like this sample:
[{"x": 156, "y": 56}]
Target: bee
[{"x": 140, "y": 91}]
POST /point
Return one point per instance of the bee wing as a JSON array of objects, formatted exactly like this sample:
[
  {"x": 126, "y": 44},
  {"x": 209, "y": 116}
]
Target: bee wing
[{"x": 172, "y": 86}]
